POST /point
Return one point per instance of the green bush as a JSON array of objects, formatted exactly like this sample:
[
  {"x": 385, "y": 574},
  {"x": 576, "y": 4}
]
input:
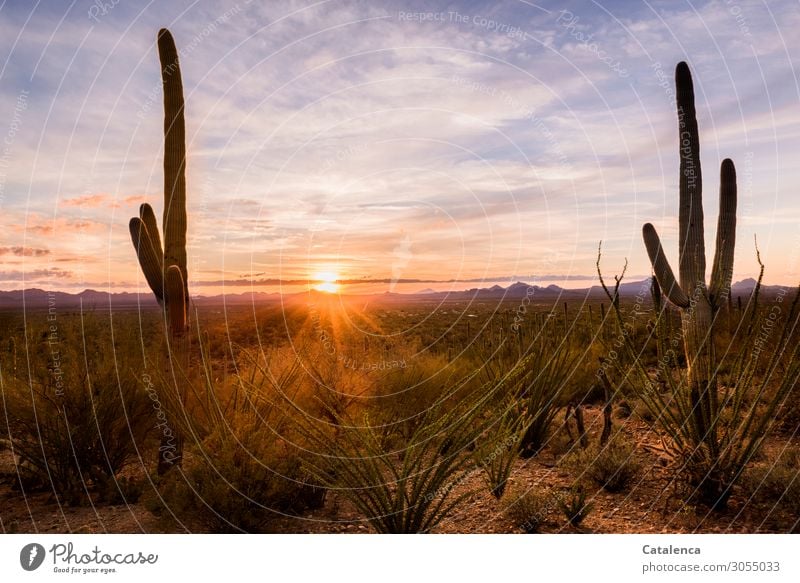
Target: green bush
[
  {"x": 613, "y": 466},
  {"x": 78, "y": 420},
  {"x": 528, "y": 509},
  {"x": 120, "y": 490},
  {"x": 245, "y": 464},
  {"x": 239, "y": 480},
  {"x": 561, "y": 443},
  {"x": 404, "y": 396}
]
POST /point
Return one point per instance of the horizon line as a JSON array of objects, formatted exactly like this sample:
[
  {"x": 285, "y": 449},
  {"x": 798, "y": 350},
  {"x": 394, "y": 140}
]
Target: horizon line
[{"x": 99, "y": 289}]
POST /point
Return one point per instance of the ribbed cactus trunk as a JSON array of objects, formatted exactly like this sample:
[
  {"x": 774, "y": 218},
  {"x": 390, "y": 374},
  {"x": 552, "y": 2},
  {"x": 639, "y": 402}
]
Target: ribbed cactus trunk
[
  {"x": 697, "y": 319},
  {"x": 165, "y": 269},
  {"x": 174, "y": 219},
  {"x": 698, "y": 304}
]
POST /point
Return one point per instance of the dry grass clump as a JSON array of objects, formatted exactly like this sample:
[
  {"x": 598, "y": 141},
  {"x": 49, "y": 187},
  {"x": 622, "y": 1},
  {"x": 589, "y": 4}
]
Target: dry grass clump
[{"x": 528, "y": 508}]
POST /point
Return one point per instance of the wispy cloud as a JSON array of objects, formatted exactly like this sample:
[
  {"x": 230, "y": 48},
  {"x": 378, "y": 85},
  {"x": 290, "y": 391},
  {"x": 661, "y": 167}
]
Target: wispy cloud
[
  {"x": 24, "y": 251},
  {"x": 35, "y": 275},
  {"x": 87, "y": 201}
]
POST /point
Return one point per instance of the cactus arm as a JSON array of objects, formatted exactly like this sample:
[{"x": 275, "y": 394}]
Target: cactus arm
[
  {"x": 661, "y": 267},
  {"x": 149, "y": 257},
  {"x": 149, "y": 219},
  {"x": 174, "y": 220},
  {"x": 176, "y": 300},
  {"x": 722, "y": 271},
  {"x": 692, "y": 263}
]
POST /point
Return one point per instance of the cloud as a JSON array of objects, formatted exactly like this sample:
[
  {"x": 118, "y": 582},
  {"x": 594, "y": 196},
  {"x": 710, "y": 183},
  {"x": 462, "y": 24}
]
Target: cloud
[
  {"x": 37, "y": 225},
  {"x": 24, "y": 251},
  {"x": 35, "y": 275},
  {"x": 87, "y": 201}
]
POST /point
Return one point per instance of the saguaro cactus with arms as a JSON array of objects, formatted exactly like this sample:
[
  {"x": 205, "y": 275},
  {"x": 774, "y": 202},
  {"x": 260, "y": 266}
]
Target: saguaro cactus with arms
[
  {"x": 698, "y": 303},
  {"x": 165, "y": 269}
]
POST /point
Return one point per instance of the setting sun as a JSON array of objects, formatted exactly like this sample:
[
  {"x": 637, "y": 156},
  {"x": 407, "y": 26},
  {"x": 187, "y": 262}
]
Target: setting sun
[{"x": 326, "y": 281}]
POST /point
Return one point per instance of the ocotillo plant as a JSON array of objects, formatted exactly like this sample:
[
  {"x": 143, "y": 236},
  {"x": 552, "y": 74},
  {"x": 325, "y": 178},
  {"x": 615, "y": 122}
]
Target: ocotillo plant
[
  {"x": 698, "y": 304},
  {"x": 165, "y": 269}
]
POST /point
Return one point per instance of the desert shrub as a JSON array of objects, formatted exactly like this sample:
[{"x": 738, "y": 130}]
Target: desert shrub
[
  {"x": 540, "y": 382},
  {"x": 789, "y": 416},
  {"x": 612, "y": 466},
  {"x": 528, "y": 509},
  {"x": 120, "y": 490},
  {"x": 263, "y": 384},
  {"x": 644, "y": 413},
  {"x": 245, "y": 463},
  {"x": 561, "y": 442},
  {"x": 540, "y": 376},
  {"x": 776, "y": 484},
  {"x": 404, "y": 397},
  {"x": 624, "y": 409},
  {"x": 411, "y": 489},
  {"x": 335, "y": 389},
  {"x": 78, "y": 420},
  {"x": 238, "y": 480},
  {"x": 574, "y": 506}
]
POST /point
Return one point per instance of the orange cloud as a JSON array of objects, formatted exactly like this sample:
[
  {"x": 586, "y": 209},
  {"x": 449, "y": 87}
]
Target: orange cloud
[
  {"x": 87, "y": 201},
  {"x": 38, "y": 225}
]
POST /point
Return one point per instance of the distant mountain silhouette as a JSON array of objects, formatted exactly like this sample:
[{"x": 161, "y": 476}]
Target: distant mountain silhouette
[{"x": 35, "y": 298}]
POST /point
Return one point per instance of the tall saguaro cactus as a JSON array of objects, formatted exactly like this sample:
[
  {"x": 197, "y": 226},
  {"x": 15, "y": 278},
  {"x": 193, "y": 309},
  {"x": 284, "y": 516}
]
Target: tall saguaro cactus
[
  {"x": 698, "y": 303},
  {"x": 165, "y": 268}
]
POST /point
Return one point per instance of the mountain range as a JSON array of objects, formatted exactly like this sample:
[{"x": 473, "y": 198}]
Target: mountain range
[{"x": 35, "y": 298}]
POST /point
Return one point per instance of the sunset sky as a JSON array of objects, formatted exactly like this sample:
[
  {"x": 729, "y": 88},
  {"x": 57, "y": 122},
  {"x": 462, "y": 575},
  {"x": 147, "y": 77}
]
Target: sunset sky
[{"x": 391, "y": 140}]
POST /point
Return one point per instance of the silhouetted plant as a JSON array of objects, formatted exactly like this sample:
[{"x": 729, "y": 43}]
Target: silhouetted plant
[{"x": 165, "y": 269}]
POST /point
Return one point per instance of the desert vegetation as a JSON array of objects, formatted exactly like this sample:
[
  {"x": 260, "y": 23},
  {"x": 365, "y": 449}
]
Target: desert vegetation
[{"x": 674, "y": 411}]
